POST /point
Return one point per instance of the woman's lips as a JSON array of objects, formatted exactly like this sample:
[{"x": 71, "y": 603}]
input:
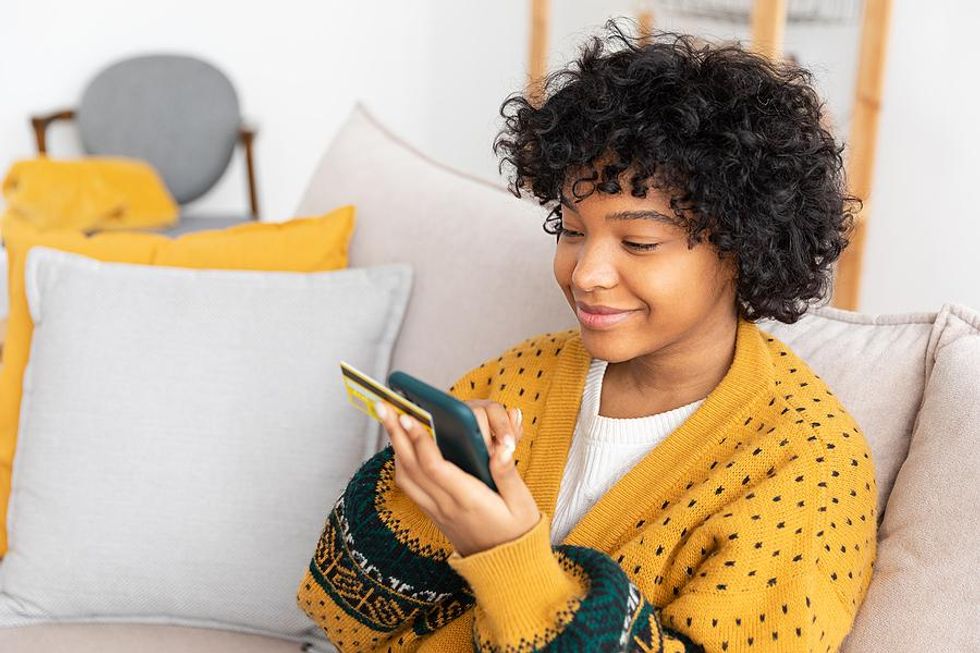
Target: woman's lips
[{"x": 597, "y": 321}]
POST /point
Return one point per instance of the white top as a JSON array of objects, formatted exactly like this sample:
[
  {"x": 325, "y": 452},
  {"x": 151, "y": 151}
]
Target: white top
[{"x": 604, "y": 449}]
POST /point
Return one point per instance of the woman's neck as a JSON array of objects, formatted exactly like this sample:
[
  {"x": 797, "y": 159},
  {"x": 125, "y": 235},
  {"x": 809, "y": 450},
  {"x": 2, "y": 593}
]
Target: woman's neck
[{"x": 676, "y": 375}]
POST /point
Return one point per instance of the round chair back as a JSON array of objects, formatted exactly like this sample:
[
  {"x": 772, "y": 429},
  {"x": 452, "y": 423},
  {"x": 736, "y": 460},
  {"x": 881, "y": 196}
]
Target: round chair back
[{"x": 176, "y": 112}]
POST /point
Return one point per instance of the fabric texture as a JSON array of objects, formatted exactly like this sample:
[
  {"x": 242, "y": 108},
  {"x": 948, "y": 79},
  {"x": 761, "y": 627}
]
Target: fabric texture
[
  {"x": 182, "y": 430},
  {"x": 751, "y": 527},
  {"x": 603, "y": 449},
  {"x": 92, "y": 193},
  {"x": 301, "y": 245},
  {"x": 3, "y": 283},
  {"x": 192, "y": 223},
  {"x": 848, "y": 348},
  {"x": 145, "y": 638},
  {"x": 930, "y": 527}
]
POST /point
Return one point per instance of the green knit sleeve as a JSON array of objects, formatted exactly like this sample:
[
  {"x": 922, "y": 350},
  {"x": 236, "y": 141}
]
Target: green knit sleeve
[{"x": 378, "y": 575}]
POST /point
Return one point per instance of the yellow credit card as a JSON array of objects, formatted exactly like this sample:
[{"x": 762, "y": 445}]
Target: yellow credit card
[{"x": 363, "y": 392}]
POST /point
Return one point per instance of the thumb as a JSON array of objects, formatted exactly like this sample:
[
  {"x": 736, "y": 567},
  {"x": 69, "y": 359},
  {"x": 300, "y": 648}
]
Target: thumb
[{"x": 504, "y": 471}]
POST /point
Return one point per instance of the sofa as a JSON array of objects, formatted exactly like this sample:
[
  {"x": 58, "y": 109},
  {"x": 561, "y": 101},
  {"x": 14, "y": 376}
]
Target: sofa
[{"x": 909, "y": 379}]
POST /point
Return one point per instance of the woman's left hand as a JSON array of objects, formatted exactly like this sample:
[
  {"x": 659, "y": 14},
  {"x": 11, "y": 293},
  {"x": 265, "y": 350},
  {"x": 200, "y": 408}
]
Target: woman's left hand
[{"x": 473, "y": 517}]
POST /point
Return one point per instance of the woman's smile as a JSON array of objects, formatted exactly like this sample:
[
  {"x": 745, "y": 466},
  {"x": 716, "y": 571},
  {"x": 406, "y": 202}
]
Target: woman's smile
[{"x": 601, "y": 321}]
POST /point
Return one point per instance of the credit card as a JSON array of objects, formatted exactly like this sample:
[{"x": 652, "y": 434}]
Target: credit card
[{"x": 363, "y": 391}]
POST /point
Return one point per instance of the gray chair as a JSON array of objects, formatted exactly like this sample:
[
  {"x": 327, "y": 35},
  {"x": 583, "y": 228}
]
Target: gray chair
[{"x": 176, "y": 112}]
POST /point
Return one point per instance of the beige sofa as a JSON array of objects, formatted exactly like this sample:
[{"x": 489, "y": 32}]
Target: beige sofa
[{"x": 484, "y": 281}]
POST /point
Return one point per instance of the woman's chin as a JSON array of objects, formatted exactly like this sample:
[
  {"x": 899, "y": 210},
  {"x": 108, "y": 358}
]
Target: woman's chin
[{"x": 607, "y": 345}]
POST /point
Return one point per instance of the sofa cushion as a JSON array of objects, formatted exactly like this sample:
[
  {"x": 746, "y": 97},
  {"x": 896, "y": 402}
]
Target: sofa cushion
[
  {"x": 924, "y": 595},
  {"x": 302, "y": 244},
  {"x": 184, "y": 433},
  {"x": 145, "y": 638},
  {"x": 482, "y": 260}
]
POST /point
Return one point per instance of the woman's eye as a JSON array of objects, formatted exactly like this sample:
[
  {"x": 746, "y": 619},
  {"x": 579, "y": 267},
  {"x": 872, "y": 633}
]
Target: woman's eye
[{"x": 643, "y": 247}]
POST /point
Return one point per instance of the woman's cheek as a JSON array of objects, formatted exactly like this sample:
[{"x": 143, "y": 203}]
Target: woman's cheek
[{"x": 562, "y": 266}]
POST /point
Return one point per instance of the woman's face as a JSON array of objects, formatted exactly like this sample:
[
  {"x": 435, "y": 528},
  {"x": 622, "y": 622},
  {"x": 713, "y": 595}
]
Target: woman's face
[{"x": 631, "y": 254}]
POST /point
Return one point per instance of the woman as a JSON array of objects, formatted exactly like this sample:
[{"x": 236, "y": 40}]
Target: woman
[{"x": 681, "y": 481}]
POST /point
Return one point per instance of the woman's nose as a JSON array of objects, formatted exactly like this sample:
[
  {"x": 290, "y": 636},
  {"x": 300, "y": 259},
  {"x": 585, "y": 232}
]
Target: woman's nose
[{"x": 594, "y": 268}]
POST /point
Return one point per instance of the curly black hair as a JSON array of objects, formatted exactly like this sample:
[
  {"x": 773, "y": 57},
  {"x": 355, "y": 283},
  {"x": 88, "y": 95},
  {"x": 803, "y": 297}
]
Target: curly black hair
[{"x": 735, "y": 140}]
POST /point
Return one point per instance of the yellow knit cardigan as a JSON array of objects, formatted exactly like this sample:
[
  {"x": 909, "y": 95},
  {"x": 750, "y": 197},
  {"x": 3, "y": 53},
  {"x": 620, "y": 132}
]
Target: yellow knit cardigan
[{"x": 751, "y": 527}]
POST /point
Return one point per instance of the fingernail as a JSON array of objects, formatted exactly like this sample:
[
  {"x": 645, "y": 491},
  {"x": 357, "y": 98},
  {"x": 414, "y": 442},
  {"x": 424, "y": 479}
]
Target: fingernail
[
  {"x": 508, "y": 447},
  {"x": 379, "y": 408},
  {"x": 520, "y": 417},
  {"x": 406, "y": 422}
]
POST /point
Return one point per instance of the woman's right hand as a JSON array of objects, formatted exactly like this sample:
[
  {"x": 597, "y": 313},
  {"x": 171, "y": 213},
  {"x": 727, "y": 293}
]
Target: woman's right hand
[{"x": 496, "y": 421}]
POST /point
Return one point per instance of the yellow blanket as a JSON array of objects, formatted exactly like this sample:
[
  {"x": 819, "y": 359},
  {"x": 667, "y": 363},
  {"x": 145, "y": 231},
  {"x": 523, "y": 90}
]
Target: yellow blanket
[{"x": 90, "y": 194}]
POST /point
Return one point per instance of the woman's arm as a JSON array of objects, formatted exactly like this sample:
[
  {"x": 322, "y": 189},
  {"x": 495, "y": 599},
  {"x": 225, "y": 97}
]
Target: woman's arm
[{"x": 534, "y": 596}]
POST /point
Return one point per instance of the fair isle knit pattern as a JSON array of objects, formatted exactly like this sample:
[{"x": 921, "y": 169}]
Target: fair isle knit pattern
[{"x": 751, "y": 527}]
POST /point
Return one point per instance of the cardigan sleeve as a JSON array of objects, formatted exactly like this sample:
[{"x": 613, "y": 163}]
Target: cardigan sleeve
[
  {"x": 378, "y": 576},
  {"x": 535, "y": 596}
]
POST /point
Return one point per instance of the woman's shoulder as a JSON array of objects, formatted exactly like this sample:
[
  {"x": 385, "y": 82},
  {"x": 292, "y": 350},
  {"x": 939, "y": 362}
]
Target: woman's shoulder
[
  {"x": 832, "y": 458},
  {"x": 806, "y": 399}
]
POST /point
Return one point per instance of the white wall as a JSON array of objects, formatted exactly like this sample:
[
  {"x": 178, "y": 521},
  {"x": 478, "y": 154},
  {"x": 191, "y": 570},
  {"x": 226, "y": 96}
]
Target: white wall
[
  {"x": 298, "y": 67},
  {"x": 436, "y": 71},
  {"x": 924, "y": 223}
]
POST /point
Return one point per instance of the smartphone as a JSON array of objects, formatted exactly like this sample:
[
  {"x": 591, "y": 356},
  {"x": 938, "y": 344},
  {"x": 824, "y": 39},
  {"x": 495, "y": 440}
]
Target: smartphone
[{"x": 457, "y": 432}]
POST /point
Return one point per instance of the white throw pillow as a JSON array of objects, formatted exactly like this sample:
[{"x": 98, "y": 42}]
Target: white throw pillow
[{"x": 183, "y": 434}]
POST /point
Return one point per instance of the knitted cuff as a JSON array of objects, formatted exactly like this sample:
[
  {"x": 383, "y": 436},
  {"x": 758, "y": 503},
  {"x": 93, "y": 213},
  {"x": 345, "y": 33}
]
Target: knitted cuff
[{"x": 520, "y": 586}]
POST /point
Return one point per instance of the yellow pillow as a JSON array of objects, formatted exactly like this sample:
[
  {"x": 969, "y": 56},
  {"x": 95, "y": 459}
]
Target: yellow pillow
[
  {"x": 299, "y": 245},
  {"x": 90, "y": 193}
]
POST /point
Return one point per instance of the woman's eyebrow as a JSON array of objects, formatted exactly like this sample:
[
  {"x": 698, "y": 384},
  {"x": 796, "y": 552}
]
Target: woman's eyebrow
[{"x": 638, "y": 214}]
